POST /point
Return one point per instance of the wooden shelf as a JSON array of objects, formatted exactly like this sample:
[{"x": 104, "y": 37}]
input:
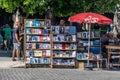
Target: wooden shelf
[
  {"x": 37, "y": 49},
  {"x": 37, "y": 42},
  {"x": 87, "y": 46},
  {"x": 115, "y": 64},
  {"x": 37, "y": 64},
  {"x": 90, "y": 38},
  {"x": 64, "y": 41},
  {"x": 44, "y": 27},
  {"x": 65, "y": 49},
  {"x": 90, "y": 59},
  {"x": 39, "y": 34},
  {"x": 62, "y": 65},
  {"x": 63, "y": 34},
  {"x": 64, "y": 57},
  {"x": 38, "y": 56}
]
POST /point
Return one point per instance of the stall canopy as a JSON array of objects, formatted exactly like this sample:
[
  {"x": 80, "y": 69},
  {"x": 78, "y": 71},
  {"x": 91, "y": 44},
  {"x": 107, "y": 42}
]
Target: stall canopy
[{"x": 89, "y": 17}]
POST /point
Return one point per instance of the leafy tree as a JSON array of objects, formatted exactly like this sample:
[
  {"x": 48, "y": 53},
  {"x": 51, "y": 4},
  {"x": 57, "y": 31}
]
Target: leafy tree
[{"x": 59, "y": 8}]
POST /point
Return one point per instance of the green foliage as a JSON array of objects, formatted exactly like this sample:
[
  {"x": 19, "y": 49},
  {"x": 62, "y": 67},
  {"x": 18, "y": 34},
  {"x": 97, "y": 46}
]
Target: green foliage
[{"x": 59, "y": 8}]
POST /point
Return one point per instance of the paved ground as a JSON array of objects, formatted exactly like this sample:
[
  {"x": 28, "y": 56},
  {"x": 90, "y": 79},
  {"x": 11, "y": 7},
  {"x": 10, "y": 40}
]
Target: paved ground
[
  {"x": 10, "y": 70},
  {"x": 56, "y": 74},
  {"x": 6, "y": 62}
]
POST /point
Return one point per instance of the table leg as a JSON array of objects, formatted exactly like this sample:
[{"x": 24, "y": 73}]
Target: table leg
[{"x": 108, "y": 66}]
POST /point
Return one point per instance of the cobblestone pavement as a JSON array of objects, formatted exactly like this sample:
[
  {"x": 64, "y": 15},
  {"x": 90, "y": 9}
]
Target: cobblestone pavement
[
  {"x": 7, "y": 72},
  {"x": 56, "y": 74}
]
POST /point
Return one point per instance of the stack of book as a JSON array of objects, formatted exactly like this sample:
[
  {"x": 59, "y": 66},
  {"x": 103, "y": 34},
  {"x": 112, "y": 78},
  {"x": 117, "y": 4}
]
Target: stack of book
[
  {"x": 37, "y": 23},
  {"x": 38, "y": 60},
  {"x": 38, "y": 46},
  {"x": 64, "y": 30},
  {"x": 64, "y": 54},
  {"x": 42, "y": 53},
  {"x": 37, "y": 38},
  {"x": 65, "y": 46},
  {"x": 63, "y": 62}
]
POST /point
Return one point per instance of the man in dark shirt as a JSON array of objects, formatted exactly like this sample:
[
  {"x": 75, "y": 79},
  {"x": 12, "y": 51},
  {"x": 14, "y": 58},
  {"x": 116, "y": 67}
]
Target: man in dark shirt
[{"x": 16, "y": 42}]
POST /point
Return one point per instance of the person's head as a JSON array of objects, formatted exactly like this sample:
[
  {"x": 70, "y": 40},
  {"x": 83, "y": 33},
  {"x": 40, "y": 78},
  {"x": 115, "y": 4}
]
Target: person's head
[
  {"x": 21, "y": 26},
  {"x": 62, "y": 22},
  {"x": 16, "y": 25}
]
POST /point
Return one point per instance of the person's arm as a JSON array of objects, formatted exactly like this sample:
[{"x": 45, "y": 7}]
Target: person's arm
[
  {"x": 16, "y": 37},
  {"x": 22, "y": 33}
]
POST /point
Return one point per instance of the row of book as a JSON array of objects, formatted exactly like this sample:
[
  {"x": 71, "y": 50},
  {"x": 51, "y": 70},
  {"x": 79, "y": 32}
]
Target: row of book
[
  {"x": 64, "y": 53},
  {"x": 62, "y": 37},
  {"x": 38, "y": 60},
  {"x": 94, "y": 34},
  {"x": 37, "y": 23},
  {"x": 38, "y": 46},
  {"x": 37, "y": 38},
  {"x": 85, "y": 56},
  {"x": 37, "y": 31},
  {"x": 91, "y": 43},
  {"x": 65, "y": 46},
  {"x": 82, "y": 56},
  {"x": 64, "y": 61},
  {"x": 39, "y": 53},
  {"x": 64, "y": 30}
]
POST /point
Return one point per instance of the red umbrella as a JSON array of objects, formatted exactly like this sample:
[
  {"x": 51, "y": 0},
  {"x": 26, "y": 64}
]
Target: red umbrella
[{"x": 89, "y": 17}]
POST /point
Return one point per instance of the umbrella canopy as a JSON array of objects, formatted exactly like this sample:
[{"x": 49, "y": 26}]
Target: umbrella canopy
[{"x": 89, "y": 17}]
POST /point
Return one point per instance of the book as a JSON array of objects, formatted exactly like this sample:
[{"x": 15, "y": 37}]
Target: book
[
  {"x": 72, "y": 30},
  {"x": 43, "y": 52},
  {"x": 28, "y": 60},
  {"x": 37, "y": 52}
]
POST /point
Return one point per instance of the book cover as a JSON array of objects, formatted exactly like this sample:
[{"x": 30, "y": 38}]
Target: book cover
[
  {"x": 86, "y": 55},
  {"x": 48, "y": 53},
  {"x": 44, "y": 38},
  {"x": 47, "y": 23},
  {"x": 42, "y": 23},
  {"x": 66, "y": 46},
  {"x": 33, "y": 45},
  {"x": 34, "y": 38},
  {"x": 43, "y": 52},
  {"x": 28, "y": 31},
  {"x": 72, "y": 30},
  {"x": 73, "y": 37},
  {"x": 79, "y": 35},
  {"x": 41, "y": 38},
  {"x": 67, "y": 30},
  {"x": 80, "y": 56},
  {"x": 53, "y": 29},
  {"x": 73, "y": 54},
  {"x": 48, "y": 38},
  {"x": 45, "y": 31},
  {"x": 38, "y": 52},
  {"x": 57, "y": 29},
  {"x": 27, "y": 60}
]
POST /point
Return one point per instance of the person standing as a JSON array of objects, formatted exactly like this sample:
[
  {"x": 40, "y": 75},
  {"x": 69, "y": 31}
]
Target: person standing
[
  {"x": 21, "y": 38},
  {"x": 7, "y": 36},
  {"x": 62, "y": 22},
  {"x": 16, "y": 42}
]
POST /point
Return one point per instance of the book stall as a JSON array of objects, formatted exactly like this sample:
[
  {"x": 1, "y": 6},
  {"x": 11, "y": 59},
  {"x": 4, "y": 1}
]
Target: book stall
[{"x": 46, "y": 45}]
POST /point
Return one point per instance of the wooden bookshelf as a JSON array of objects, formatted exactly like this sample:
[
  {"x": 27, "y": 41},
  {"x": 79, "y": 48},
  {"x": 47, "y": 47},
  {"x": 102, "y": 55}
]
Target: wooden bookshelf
[
  {"x": 63, "y": 46},
  {"x": 37, "y": 34},
  {"x": 88, "y": 48}
]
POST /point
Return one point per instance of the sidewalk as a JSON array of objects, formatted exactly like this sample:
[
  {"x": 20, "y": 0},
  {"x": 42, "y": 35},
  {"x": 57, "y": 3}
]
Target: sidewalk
[{"x": 8, "y": 63}]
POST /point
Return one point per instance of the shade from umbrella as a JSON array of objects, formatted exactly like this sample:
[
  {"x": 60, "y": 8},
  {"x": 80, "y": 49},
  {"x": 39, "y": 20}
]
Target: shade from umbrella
[{"x": 89, "y": 17}]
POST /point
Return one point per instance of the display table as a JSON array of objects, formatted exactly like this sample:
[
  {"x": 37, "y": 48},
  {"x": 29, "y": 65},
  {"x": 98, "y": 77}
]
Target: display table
[
  {"x": 81, "y": 64},
  {"x": 110, "y": 52}
]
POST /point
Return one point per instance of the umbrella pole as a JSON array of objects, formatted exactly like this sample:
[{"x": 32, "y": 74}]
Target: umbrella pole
[{"x": 88, "y": 62}]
